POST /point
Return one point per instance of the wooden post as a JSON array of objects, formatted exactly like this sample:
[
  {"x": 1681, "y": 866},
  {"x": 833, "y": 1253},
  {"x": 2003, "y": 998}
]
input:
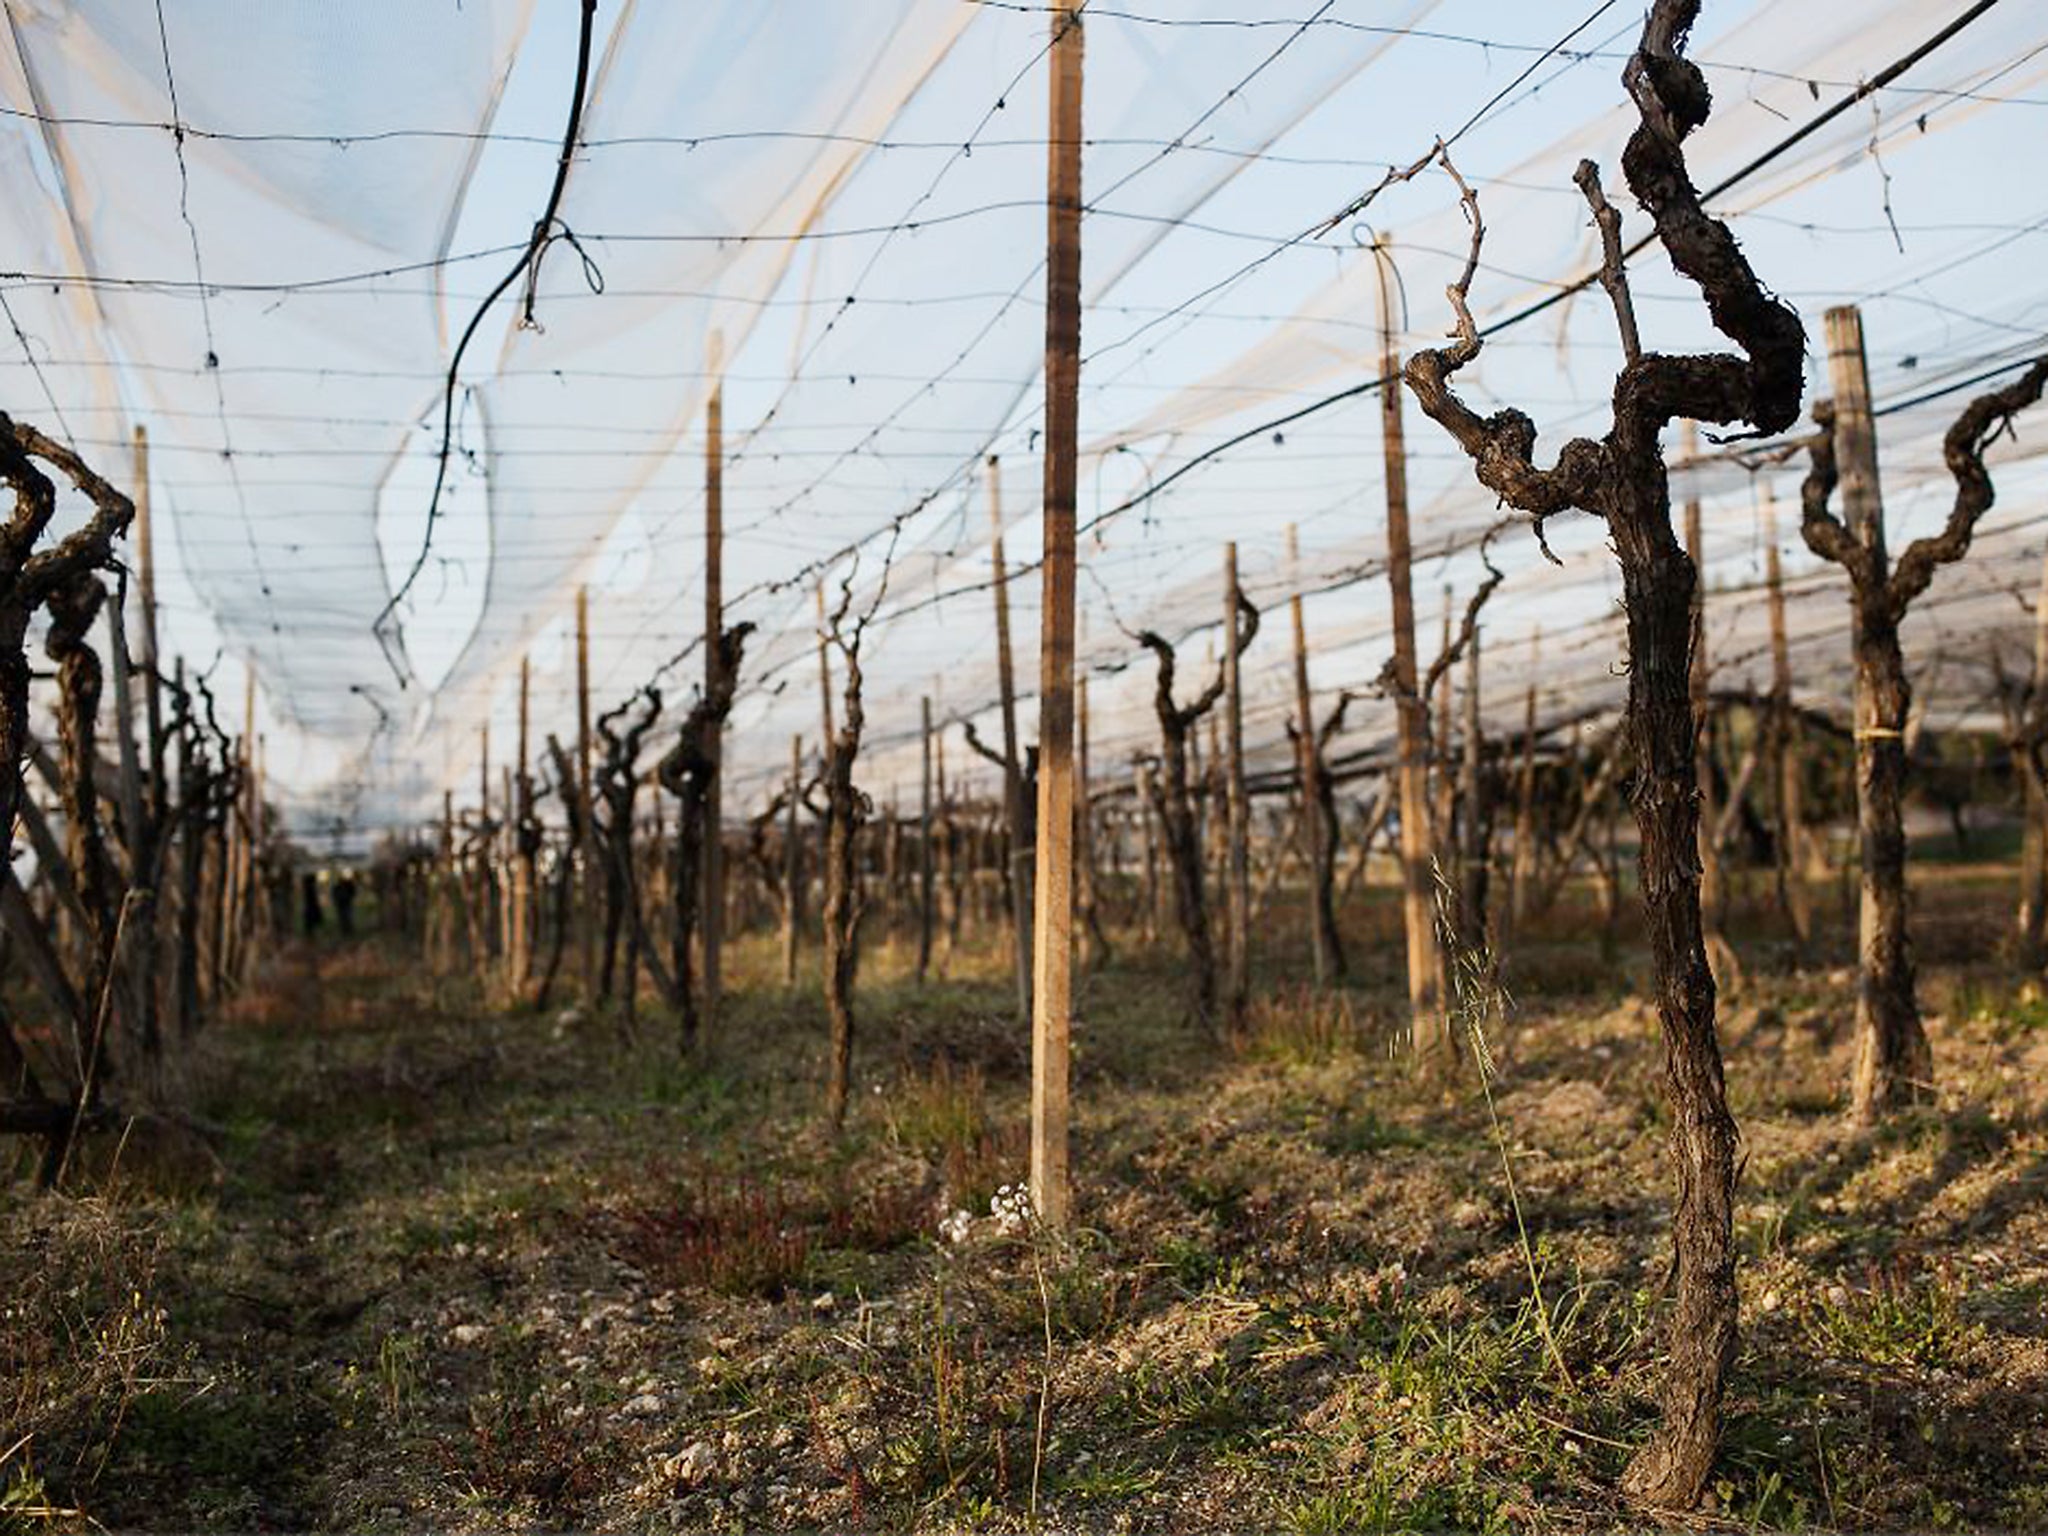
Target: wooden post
[
  {"x": 1472, "y": 852},
  {"x": 507, "y": 842},
  {"x": 824, "y": 667},
  {"x": 139, "y": 833},
  {"x": 926, "y": 870},
  {"x": 1711, "y": 897},
  {"x": 445, "y": 894},
  {"x": 1149, "y": 831},
  {"x": 712, "y": 923},
  {"x": 1792, "y": 893},
  {"x": 1309, "y": 769},
  {"x": 1236, "y": 808},
  {"x": 1425, "y": 966},
  {"x": 129, "y": 761},
  {"x": 244, "y": 929},
  {"x": 1894, "y": 1063},
  {"x": 1522, "y": 872},
  {"x": 486, "y": 854},
  {"x": 145, "y": 549},
  {"x": 1093, "y": 942},
  {"x": 2033, "y": 914},
  {"x": 587, "y": 853},
  {"x": 522, "y": 863},
  {"x": 1019, "y": 865},
  {"x": 793, "y": 864},
  {"x": 1440, "y": 745},
  {"x": 259, "y": 760},
  {"x": 1052, "y": 972}
]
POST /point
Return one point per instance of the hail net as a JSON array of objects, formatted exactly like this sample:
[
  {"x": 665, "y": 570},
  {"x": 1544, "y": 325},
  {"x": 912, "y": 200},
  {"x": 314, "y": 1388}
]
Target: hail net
[{"x": 258, "y": 229}]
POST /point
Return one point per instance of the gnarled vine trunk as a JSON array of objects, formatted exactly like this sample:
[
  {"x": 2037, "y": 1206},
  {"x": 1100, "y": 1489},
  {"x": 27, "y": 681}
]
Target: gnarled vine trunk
[
  {"x": 1894, "y": 1061},
  {"x": 846, "y": 809},
  {"x": 1621, "y": 478},
  {"x": 1173, "y": 802},
  {"x": 688, "y": 771}
]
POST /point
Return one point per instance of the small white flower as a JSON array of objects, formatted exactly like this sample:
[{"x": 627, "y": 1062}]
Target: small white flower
[
  {"x": 956, "y": 1225},
  {"x": 1011, "y": 1209}
]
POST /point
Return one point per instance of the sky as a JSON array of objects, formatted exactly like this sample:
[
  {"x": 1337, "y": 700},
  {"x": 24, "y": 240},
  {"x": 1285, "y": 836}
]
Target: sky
[{"x": 838, "y": 210}]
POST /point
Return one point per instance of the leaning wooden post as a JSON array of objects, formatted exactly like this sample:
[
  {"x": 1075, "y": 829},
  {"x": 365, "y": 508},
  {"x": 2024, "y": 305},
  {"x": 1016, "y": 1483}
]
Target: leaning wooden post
[
  {"x": 1309, "y": 768},
  {"x": 1052, "y": 976},
  {"x": 1019, "y": 866},
  {"x": 711, "y": 924},
  {"x": 1425, "y": 991},
  {"x": 587, "y": 849},
  {"x": 926, "y": 870},
  {"x": 824, "y": 667}
]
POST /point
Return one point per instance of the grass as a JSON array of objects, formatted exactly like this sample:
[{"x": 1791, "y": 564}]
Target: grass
[
  {"x": 470, "y": 1270},
  {"x": 1897, "y": 1318}
]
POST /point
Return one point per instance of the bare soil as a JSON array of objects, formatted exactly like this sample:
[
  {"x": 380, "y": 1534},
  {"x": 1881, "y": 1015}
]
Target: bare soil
[{"x": 476, "y": 1271}]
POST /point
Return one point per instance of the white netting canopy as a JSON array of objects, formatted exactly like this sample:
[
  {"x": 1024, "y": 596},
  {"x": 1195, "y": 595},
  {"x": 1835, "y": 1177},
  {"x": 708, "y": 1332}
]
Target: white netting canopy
[{"x": 257, "y": 228}]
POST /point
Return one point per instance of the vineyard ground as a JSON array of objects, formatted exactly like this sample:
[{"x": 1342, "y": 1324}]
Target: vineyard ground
[{"x": 480, "y": 1270}]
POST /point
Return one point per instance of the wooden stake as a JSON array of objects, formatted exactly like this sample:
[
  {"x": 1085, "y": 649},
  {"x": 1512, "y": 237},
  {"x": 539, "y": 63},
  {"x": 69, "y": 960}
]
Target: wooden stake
[
  {"x": 1894, "y": 1062},
  {"x": 1473, "y": 851},
  {"x": 2033, "y": 913},
  {"x": 712, "y": 921},
  {"x": 1440, "y": 745},
  {"x": 145, "y": 550},
  {"x": 252, "y": 802},
  {"x": 824, "y": 666},
  {"x": 1237, "y": 885},
  {"x": 1019, "y": 881},
  {"x": 793, "y": 864},
  {"x": 1149, "y": 830},
  {"x": 1792, "y": 892},
  {"x": 486, "y": 850},
  {"x": 1425, "y": 964},
  {"x": 1711, "y": 900},
  {"x": 1522, "y": 872},
  {"x": 441, "y": 924},
  {"x": 587, "y": 853},
  {"x": 522, "y": 863},
  {"x": 1094, "y": 943},
  {"x": 1308, "y": 768},
  {"x": 926, "y": 871},
  {"x": 1052, "y": 975}
]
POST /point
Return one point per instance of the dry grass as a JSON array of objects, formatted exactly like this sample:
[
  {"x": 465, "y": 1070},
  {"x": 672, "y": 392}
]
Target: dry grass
[{"x": 475, "y": 1272}]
